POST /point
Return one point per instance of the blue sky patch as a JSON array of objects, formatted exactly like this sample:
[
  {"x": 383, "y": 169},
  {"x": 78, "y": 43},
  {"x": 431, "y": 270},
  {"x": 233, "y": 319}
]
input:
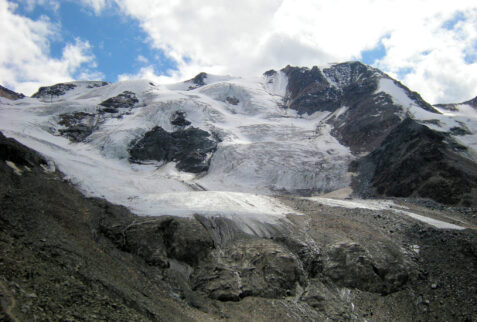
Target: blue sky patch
[
  {"x": 370, "y": 56},
  {"x": 116, "y": 40},
  {"x": 452, "y": 22}
]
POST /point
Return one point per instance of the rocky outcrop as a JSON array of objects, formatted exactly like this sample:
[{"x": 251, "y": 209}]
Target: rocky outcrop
[
  {"x": 158, "y": 239},
  {"x": 368, "y": 117},
  {"x": 178, "y": 119},
  {"x": 197, "y": 81},
  {"x": 125, "y": 100},
  {"x": 416, "y": 161},
  {"x": 249, "y": 267},
  {"x": 79, "y": 125},
  {"x": 9, "y": 94},
  {"x": 350, "y": 265},
  {"x": 54, "y": 90},
  {"x": 190, "y": 148}
]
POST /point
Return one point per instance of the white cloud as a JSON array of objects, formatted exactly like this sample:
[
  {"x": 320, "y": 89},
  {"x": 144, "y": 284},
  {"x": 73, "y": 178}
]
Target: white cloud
[
  {"x": 25, "y": 62},
  {"x": 96, "y": 5},
  {"x": 141, "y": 59},
  {"x": 30, "y": 5},
  {"x": 249, "y": 37}
]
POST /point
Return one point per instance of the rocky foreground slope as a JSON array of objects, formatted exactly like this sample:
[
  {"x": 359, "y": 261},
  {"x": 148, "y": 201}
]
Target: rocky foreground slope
[{"x": 67, "y": 257}]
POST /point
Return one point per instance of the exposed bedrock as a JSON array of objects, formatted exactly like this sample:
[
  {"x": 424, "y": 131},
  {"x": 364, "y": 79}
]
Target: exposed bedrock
[
  {"x": 126, "y": 99},
  {"x": 227, "y": 264},
  {"x": 54, "y": 90},
  {"x": 416, "y": 161},
  {"x": 190, "y": 148}
]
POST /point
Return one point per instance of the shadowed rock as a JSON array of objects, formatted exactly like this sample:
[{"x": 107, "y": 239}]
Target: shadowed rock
[
  {"x": 126, "y": 99},
  {"x": 189, "y": 148},
  {"x": 414, "y": 160},
  {"x": 54, "y": 90}
]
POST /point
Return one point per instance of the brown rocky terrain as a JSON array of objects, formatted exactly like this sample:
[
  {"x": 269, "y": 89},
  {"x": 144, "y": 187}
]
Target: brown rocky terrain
[{"x": 67, "y": 257}]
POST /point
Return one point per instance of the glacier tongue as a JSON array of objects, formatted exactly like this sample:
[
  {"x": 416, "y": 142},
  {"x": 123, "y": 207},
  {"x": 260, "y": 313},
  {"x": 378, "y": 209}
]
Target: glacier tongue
[{"x": 263, "y": 148}]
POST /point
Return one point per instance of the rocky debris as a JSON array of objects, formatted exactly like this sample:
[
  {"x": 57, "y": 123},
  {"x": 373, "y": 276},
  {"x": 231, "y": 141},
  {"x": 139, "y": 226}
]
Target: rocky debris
[
  {"x": 126, "y": 100},
  {"x": 416, "y": 161},
  {"x": 54, "y": 90},
  {"x": 349, "y": 264},
  {"x": 190, "y": 148},
  {"x": 249, "y": 267},
  {"x": 9, "y": 94},
  {"x": 158, "y": 239},
  {"x": 179, "y": 119},
  {"x": 78, "y": 125},
  {"x": 54, "y": 261}
]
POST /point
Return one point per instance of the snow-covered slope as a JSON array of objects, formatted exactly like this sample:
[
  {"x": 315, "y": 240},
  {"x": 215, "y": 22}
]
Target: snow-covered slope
[{"x": 265, "y": 145}]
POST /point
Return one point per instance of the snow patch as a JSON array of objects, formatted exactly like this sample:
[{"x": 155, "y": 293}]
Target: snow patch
[{"x": 14, "y": 167}]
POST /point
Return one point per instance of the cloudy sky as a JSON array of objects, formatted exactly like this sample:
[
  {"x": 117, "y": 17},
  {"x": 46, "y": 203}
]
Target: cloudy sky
[{"x": 431, "y": 46}]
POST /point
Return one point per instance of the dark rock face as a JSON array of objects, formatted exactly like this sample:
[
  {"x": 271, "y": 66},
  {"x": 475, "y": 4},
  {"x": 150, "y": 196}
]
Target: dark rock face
[
  {"x": 309, "y": 91},
  {"x": 79, "y": 125},
  {"x": 369, "y": 116},
  {"x": 249, "y": 267},
  {"x": 197, "y": 81},
  {"x": 414, "y": 160},
  {"x": 363, "y": 126},
  {"x": 157, "y": 239},
  {"x": 188, "y": 147},
  {"x": 350, "y": 265},
  {"x": 270, "y": 73},
  {"x": 55, "y": 90},
  {"x": 126, "y": 100},
  {"x": 11, "y": 95},
  {"x": 179, "y": 119}
]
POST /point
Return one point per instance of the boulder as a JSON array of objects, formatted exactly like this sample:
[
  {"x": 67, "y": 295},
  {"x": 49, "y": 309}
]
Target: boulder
[{"x": 249, "y": 267}]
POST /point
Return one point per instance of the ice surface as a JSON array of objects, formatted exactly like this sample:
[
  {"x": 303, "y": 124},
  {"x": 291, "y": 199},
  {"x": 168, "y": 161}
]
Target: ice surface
[
  {"x": 261, "y": 159},
  {"x": 264, "y": 149}
]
